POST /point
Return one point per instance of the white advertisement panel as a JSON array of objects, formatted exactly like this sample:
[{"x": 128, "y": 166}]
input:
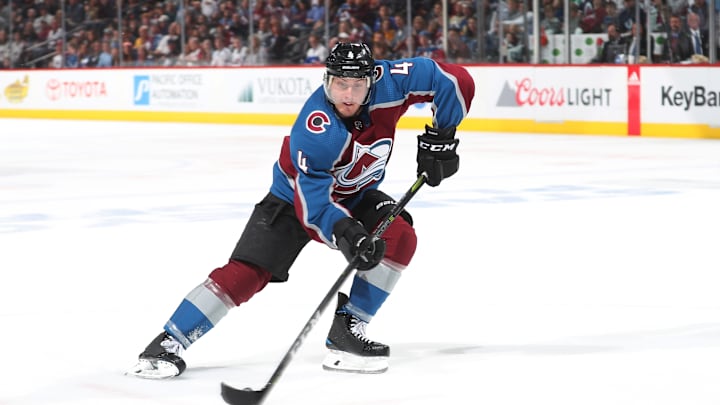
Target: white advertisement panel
[
  {"x": 690, "y": 95},
  {"x": 61, "y": 89},
  {"x": 551, "y": 94},
  {"x": 224, "y": 90}
]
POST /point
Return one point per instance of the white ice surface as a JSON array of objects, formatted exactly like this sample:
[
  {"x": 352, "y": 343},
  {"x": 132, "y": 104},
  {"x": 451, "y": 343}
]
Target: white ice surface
[{"x": 558, "y": 270}]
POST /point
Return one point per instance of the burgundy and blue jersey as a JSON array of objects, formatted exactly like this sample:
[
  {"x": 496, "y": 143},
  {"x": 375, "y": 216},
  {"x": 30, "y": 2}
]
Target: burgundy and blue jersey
[{"x": 327, "y": 162}]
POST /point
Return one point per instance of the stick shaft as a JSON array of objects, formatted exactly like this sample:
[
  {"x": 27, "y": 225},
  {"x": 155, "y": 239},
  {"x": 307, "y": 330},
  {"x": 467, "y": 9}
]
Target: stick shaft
[{"x": 257, "y": 397}]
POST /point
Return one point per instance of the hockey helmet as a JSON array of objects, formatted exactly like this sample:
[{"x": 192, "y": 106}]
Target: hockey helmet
[{"x": 350, "y": 60}]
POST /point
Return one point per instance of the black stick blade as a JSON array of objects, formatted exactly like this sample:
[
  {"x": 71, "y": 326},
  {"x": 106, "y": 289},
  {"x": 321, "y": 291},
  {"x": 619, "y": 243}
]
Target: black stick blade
[{"x": 247, "y": 396}]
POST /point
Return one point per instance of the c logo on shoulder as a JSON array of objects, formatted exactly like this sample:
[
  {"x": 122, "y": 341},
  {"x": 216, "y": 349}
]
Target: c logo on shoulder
[{"x": 317, "y": 121}]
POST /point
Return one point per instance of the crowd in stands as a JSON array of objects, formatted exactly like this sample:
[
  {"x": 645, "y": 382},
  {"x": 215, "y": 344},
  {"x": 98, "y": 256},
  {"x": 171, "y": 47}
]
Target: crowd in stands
[{"x": 95, "y": 33}]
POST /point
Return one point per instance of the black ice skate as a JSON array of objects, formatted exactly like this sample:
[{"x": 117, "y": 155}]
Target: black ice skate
[
  {"x": 350, "y": 350},
  {"x": 160, "y": 359}
]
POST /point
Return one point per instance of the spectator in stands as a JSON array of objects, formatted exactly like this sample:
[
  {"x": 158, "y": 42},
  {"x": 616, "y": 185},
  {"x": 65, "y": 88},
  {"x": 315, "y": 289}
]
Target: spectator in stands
[
  {"x": 129, "y": 54},
  {"x": 276, "y": 43},
  {"x": 593, "y": 19},
  {"x": 106, "y": 10},
  {"x": 384, "y": 13},
  {"x": 613, "y": 50},
  {"x": 678, "y": 45},
  {"x": 17, "y": 49},
  {"x": 456, "y": 17},
  {"x": 238, "y": 51},
  {"x": 58, "y": 59},
  {"x": 258, "y": 54},
  {"x": 457, "y": 50},
  {"x": 316, "y": 52},
  {"x": 638, "y": 45},
  {"x": 143, "y": 39},
  {"x": 700, "y": 8},
  {"x": 43, "y": 15},
  {"x": 626, "y": 18},
  {"x": 381, "y": 49},
  {"x": 550, "y": 23},
  {"x": 316, "y": 14},
  {"x": 513, "y": 46},
  {"x": 418, "y": 25},
  {"x": 611, "y": 15},
  {"x": 469, "y": 35},
  {"x": 206, "y": 52},
  {"x": 428, "y": 49},
  {"x": 4, "y": 46},
  {"x": 678, "y": 7},
  {"x": 193, "y": 53},
  {"x": 4, "y": 16},
  {"x": 83, "y": 55},
  {"x": 75, "y": 13},
  {"x": 44, "y": 31},
  {"x": 71, "y": 55},
  {"x": 659, "y": 15},
  {"x": 435, "y": 13},
  {"x": 105, "y": 58},
  {"x": 698, "y": 36},
  {"x": 510, "y": 12},
  {"x": 398, "y": 45},
  {"x": 92, "y": 10},
  {"x": 209, "y": 8},
  {"x": 298, "y": 18},
  {"x": 221, "y": 54},
  {"x": 263, "y": 31},
  {"x": 359, "y": 31},
  {"x": 468, "y": 9},
  {"x": 575, "y": 18},
  {"x": 387, "y": 28}
]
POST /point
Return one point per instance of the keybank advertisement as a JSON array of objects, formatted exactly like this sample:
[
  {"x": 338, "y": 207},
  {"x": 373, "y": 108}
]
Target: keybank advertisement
[
  {"x": 681, "y": 95},
  {"x": 551, "y": 94}
]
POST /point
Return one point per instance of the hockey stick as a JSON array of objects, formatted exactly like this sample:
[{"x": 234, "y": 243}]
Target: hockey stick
[{"x": 248, "y": 396}]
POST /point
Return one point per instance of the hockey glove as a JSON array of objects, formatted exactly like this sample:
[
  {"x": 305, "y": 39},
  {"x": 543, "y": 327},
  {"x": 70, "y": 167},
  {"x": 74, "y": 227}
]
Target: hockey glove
[
  {"x": 354, "y": 241},
  {"x": 437, "y": 154}
]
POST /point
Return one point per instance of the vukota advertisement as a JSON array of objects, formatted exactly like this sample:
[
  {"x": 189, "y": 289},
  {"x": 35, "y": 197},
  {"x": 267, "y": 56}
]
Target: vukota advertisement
[{"x": 280, "y": 90}]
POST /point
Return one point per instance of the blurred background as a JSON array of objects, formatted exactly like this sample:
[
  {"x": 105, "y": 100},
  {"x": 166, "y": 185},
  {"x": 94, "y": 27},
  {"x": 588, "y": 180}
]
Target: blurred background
[{"x": 108, "y": 33}]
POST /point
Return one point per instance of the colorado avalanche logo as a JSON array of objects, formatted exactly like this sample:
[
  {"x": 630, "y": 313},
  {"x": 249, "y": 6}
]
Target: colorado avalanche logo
[
  {"x": 367, "y": 166},
  {"x": 378, "y": 72},
  {"x": 317, "y": 121}
]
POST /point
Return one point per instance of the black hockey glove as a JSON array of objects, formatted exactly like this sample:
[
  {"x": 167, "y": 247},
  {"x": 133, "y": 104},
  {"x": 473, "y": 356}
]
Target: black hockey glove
[
  {"x": 437, "y": 154},
  {"x": 353, "y": 240}
]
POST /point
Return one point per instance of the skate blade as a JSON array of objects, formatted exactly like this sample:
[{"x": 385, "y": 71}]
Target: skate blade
[
  {"x": 153, "y": 370},
  {"x": 350, "y": 363}
]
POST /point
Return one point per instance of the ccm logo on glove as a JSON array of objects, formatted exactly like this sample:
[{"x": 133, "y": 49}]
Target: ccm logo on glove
[
  {"x": 437, "y": 158},
  {"x": 434, "y": 147}
]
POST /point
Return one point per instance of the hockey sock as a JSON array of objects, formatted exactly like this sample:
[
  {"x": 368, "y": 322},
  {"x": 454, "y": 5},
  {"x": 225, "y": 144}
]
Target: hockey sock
[{"x": 370, "y": 289}]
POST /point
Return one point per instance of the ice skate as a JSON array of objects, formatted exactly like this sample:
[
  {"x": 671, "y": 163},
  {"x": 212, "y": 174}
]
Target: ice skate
[
  {"x": 350, "y": 350},
  {"x": 160, "y": 359}
]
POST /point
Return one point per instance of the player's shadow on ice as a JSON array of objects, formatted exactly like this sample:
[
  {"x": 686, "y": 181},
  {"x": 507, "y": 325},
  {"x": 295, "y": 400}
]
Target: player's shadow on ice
[{"x": 689, "y": 336}]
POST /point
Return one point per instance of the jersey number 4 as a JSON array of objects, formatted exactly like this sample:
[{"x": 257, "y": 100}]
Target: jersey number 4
[
  {"x": 302, "y": 161},
  {"x": 401, "y": 68}
]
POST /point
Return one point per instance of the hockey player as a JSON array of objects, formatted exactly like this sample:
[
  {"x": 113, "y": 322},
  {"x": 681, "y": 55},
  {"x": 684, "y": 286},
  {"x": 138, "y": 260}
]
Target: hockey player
[{"x": 325, "y": 188}]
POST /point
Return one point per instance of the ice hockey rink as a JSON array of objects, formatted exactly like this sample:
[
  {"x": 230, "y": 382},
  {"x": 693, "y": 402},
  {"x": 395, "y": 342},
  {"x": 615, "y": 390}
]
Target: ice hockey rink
[{"x": 552, "y": 269}]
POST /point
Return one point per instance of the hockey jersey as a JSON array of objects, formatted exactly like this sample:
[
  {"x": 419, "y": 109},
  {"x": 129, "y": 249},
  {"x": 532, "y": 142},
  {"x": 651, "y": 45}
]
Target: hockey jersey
[{"x": 327, "y": 162}]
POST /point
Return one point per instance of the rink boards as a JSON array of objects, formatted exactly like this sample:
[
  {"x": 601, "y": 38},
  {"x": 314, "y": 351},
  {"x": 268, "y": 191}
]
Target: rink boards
[{"x": 635, "y": 100}]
